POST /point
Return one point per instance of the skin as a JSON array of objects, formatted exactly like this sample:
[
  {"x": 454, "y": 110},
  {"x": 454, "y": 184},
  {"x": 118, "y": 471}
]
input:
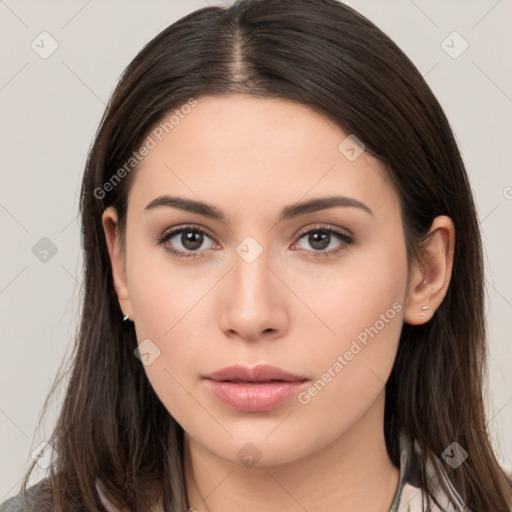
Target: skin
[{"x": 250, "y": 157}]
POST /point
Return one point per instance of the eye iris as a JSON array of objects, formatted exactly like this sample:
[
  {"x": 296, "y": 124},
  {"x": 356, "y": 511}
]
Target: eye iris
[
  {"x": 319, "y": 239},
  {"x": 191, "y": 240}
]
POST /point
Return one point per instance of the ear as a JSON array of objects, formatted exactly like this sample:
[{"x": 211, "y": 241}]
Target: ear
[
  {"x": 431, "y": 275},
  {"x": 110, "y": 226}
]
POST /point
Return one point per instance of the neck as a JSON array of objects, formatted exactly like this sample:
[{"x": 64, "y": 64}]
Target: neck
[{"x": 353, "y": 472}]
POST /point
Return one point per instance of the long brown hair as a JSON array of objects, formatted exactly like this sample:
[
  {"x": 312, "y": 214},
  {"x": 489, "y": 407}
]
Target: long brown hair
[{"x": 323, "y": 54}]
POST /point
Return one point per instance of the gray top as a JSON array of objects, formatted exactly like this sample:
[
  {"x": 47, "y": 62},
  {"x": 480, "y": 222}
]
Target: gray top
[
  {"x": 23, "y": 504},
  {"x": 408, "y": 498}
]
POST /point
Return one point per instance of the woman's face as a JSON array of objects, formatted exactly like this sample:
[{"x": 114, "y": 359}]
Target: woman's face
[{"x": 266, "y": 283}]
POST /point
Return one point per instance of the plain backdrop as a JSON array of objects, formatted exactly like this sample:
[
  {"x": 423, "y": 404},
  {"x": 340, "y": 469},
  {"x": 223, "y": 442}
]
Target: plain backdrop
[{"x": 50, "y": 110}]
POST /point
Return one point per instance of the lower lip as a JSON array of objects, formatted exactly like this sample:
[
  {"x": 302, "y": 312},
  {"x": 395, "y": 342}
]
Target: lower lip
[{"x": 254, "y": 397}]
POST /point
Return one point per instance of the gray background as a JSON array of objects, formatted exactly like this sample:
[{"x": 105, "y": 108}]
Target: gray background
[{"x": 50, "y": 109}]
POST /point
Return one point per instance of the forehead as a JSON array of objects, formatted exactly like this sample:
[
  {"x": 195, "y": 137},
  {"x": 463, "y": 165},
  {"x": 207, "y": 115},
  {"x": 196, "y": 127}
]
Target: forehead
[{"x": 254, "y": 152}]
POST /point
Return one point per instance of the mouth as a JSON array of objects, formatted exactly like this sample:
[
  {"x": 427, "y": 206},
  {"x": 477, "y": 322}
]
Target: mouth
[
  {"x": 257, "y": 389},
  {"x": 259, "y": 381},
  {"x": 257, "y": 374}
]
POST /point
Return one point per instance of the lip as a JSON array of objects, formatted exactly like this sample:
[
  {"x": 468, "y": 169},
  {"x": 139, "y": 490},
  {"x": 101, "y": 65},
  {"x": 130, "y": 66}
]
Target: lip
[
  {"x": 261, "y": 388},
  {"x": 259, "y": 373}
]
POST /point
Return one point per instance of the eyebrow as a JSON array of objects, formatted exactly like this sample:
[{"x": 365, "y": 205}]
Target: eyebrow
[{"x": 289, "y": 212}]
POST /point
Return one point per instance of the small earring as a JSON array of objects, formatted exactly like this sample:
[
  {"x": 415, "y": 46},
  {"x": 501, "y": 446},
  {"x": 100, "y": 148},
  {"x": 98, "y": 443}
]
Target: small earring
[
  {"x": 424, "y": 308},
  {"x": 126, "y": 317}
]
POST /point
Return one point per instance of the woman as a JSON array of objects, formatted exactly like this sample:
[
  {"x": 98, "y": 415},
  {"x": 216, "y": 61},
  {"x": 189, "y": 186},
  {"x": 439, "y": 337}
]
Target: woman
[{"x": 283, "y": 301}]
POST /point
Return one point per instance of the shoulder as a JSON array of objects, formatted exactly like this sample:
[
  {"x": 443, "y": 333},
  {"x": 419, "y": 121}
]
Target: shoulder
[
  {"x": 26, "y": 502},
  {"x": 18, "y": 503}
]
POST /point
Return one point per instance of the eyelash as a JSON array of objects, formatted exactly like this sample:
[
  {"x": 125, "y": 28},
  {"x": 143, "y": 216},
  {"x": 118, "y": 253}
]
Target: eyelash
[{"x": 342, "y": 237}]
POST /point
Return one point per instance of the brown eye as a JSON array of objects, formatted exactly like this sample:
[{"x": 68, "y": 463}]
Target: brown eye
[
  {"x": 320, "y": 239},
  {"x": 186, "y": 242},
  {"x": 191, "y": 240}
]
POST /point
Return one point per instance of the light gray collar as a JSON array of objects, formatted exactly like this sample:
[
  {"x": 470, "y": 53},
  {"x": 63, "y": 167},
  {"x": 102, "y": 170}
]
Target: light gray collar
[{"x": 409, "y": 496}]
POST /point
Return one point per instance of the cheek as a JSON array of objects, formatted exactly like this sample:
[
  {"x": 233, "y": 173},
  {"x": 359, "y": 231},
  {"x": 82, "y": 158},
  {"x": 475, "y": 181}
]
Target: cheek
[
  {"x": 170, "y": 304},
  {"x": 351, "y": 295},
  {"x": 363, "y": 305},
  {"x": 163, "y": 292},
  {"x": 351, "y": 375}
]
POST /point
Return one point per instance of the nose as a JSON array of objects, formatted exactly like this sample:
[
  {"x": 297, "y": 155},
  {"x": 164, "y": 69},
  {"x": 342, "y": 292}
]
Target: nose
[{"x": 253, "y": 301}]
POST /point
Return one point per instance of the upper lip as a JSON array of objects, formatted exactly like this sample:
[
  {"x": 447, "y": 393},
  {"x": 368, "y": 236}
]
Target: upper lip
[{"x": 259, "y": 373}]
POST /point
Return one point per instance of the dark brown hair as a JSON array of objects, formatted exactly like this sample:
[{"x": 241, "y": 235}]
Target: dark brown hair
[{"x": 320, "y": 53}]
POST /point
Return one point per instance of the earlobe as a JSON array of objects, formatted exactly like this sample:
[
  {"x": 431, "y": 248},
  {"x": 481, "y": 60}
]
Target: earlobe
[
  {"x": 431, "y": 276},
  {"x": 110, "y": 227}
]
